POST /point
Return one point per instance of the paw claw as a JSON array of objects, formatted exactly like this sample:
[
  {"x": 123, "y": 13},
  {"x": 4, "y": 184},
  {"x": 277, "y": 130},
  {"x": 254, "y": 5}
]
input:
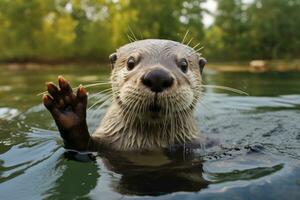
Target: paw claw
[
  {"x": 49, "y": 104},
  {"x": 61, "y": 78},
  {"x": 81, "y": 92},
  {"x": 47, "y": 101},
  {"x": 62, "y": 81},
  {"x": 53, "y": 90},
  {"x": 64, "y": 85}
]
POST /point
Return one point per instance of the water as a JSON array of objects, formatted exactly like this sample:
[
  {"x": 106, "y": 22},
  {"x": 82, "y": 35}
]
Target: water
[{"x": 258, "y": 159}]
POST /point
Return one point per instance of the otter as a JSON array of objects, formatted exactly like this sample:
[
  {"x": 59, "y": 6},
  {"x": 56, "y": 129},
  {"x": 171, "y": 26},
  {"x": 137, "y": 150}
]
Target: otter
[{"x": 156, "y": 85}]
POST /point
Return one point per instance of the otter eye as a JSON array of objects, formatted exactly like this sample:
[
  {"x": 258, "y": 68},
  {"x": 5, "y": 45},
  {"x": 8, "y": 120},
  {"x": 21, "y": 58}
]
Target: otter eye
[
  {"x": 183, "y": 64},
  {"x": 130, "y": 63}
]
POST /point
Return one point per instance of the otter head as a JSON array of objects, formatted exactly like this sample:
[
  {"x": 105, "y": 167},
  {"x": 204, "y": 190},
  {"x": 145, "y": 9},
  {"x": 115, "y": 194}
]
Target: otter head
[{"x": 155, "y": 79}]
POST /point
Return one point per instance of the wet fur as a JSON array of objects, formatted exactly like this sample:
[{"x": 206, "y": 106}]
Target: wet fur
[{"x": 128, "y": 125}]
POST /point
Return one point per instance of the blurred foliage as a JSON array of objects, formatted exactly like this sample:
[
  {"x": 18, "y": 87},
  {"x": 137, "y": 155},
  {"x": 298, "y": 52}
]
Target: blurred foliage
[
  {"x": 62, "y": 30},
  {"x": 263, "y": 29}
]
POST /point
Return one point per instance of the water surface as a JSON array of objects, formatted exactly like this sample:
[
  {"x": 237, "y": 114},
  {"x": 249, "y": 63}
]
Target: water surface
[{"x": 258, "y": 157}]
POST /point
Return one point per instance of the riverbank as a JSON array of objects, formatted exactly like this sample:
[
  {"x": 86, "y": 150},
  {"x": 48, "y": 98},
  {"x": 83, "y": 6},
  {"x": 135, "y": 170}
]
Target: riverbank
[
  {"x": 50, "y": 65},
  {"x": 256, "y": 66}
]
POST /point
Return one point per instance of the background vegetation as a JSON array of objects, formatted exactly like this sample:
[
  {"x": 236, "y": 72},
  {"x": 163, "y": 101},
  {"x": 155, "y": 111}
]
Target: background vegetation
[{"x": 89, "y": 30}]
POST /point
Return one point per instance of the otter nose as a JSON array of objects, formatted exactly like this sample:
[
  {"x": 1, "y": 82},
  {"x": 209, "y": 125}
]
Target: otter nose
[{"x": 158, "y": 80}]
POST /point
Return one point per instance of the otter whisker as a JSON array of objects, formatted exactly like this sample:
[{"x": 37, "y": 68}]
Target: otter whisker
[
  {"x": 226, "y": 88},
  {"x": 130, "y": 38},
  {"x": 141, "y": 35},
  {"x": 194, "y": 47},
  {"x": 184, "y": 115},
  {"x": 172, "y": 124},
  {"x": 135, "y": 39},
  {"x": 42, "y": 93},
  {"x": 139, "y": 141},
  {"x": 197, "y": 50},
  {"x": 189, "y": 41},
  {"x": 104, "y": 102},
  {"x": 100, "y": 104},
  {"x": 85, "y": 86},
  {"x": 184, "y": 136},
  {"x": 109, "y": 98},
  {"x": 100, "y": 94},
  {"x": 186, "y": 33},
  {"x": 101, "y": 100},
  {"x": 103, "y": 81},
  {"x": 96, "y": 84},
  {"x": 165, "y": 119},
  {"x": 128, "y": 114},
  {"x": 201, "y": 103}
]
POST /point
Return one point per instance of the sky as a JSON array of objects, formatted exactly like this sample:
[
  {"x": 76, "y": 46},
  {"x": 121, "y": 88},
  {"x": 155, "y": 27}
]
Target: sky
[{"x": 210, "y": 5}]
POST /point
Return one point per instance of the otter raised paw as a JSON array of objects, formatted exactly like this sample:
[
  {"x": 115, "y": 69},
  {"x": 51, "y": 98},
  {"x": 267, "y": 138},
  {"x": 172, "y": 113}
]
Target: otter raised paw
[{"x": 69, "y": 112}]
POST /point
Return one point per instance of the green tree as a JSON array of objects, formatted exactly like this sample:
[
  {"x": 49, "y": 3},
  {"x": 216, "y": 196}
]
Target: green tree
[
  {"x": 90, "y": 29},
  {"x": 230, "y": 31},
  {"x": 263, "y": 29},
  {"x": 275, "y": 28}
]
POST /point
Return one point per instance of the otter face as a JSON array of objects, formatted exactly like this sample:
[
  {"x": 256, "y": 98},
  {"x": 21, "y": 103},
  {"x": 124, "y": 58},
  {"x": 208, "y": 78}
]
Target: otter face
[{"x": 156, "y": 78}]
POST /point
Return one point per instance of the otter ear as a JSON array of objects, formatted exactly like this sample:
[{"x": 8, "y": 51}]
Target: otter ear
[
  {"x": 202, "y": 62},
  {"x": 113, "y": 59}
]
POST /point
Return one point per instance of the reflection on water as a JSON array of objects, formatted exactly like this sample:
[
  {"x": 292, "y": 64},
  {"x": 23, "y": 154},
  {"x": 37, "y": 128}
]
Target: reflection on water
[{"x": 258, "y": 159}]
